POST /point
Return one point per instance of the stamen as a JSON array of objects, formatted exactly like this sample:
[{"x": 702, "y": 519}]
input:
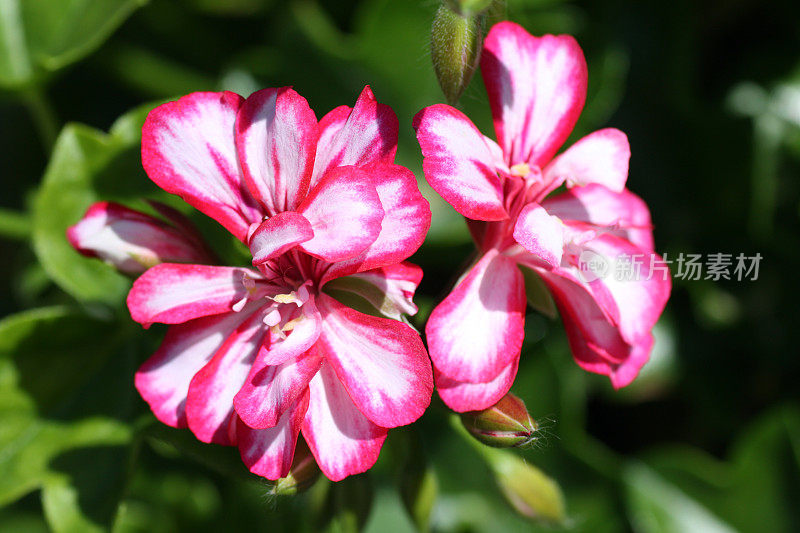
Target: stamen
[
  {"x": 520, "y": 169},
  {"x": 272, "y": 318}
]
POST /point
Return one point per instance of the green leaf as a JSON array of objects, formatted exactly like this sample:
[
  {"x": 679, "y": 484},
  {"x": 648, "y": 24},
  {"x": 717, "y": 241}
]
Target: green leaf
[
  {"x": 63, "y": 415},
  {"x": 41, "y": 36},
  {"x": 657, "y": 506},
  {"x": 87, "y": 165}
]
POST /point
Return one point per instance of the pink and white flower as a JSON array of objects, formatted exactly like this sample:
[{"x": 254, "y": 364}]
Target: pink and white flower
[
  {"x": 537, "y": 88},
  {"x": 257, "y": 355}
]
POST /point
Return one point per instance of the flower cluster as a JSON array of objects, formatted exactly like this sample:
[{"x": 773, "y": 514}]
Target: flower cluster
[
  {"x": 537, "y": 88},
  {"x": 256, "y": 355}
]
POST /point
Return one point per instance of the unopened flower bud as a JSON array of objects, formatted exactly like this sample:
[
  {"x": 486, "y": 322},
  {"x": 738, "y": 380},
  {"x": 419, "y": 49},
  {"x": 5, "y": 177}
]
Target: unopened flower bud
[
  {"x": 468, "y": 7},
  {"x": 503, "y": 425},
  {"x": 527, "y": 489},
  {"x": 456, "y": 41},
  {"x": 303, "y": 474}
]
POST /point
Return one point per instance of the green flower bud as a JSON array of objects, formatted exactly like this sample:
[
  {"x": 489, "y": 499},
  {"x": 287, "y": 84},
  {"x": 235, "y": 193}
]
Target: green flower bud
[
  {"x": 302, "y": 475},
  {"x": 468, "y": 7},
  {"x": 503, "y": 425},
  {"x": 456, "y": 42},
  {"x": 419, "y": 489},
  {"x": 527, "y": 489}
]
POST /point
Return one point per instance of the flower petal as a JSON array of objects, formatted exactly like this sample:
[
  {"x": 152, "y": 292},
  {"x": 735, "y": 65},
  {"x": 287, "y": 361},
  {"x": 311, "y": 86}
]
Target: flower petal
[
  {"x": 638, "y": 296},
  {"x": 601, "y": 157},
  {"x": 209, "y": 402},
  {"x": 477, "y": 331},
  {"x": 276, "y": 139},
  {"x": 163, "y": 380},
  {"x": 345, "y": 212},
  {"x": 537, "y": 88},
  {"x": 281, "y": 372},
  {"x": 623, "y": 213},
  {"x": 278, "y": 234},
  {"x": 390, "y": 290},
  {"x": 343, "y": 441},
  {"x": 174, "y": 293},
  {"x": 381, "y": 362},
  {"x": 463, "y": 396},
  {"x": 367, "y": 134},
  {"x": 458, "y": 164},
  {"x": 407, "y": 217},
  {"x": 132, "y": 241},
  {"x": 269, "y": 452},
  {"x": 188, "y": 149},
  {"x": 541, "y": 234}
]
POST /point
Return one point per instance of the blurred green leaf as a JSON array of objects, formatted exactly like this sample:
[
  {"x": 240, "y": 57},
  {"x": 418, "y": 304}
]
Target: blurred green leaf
[
  {"x": 62, "y": 430},
  {"x": 347, "y": 505},
  {"x": 759, "y": 484},
  {"x": 87, "y": 165},
  {"x": 174, "y": 442},
  {"x": 41, "y": 36},
  {"x": 656, "y": 506}
]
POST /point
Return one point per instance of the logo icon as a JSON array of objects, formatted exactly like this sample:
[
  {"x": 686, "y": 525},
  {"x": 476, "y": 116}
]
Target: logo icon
[{"x": 592, "y": 266}]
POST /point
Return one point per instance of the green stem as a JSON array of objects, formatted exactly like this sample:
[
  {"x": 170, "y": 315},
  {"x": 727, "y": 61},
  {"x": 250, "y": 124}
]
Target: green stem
[
  {"x": 14, "y": 225},
  {"x": 43, "y": 116}
]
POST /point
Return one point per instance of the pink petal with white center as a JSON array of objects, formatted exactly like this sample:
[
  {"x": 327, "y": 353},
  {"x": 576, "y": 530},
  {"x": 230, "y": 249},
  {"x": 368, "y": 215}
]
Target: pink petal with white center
[
  {"x": 367, "y": 134},
  {"x": 344, "y": 442},
  {"x": 458, "y": 164},
  {"x": 623, "y": 213},
  {"x": 188, "y": 149},
  {"x": 300, "y": 331},
  {"x": 281, "y": 371},
  {"x": 462, "y": 396},
  {"x": 163, "y": 380},
  {"x": 270, "y": 390},
  {"x": 209, "y": 402},
  {"x": 174, "y": 293},
  {"x": 390, "y": 290},
  {"x": 537, "y": 88},
  {"x": 269, "y": 452},
  {"x": 636, "y": 303},
  {"x": 276, "y": 139},
  {"x": 345, "y": 212},
  {"x": 601, "y": 157},
  {"x": 541, "y": 234},
  {"x": 279, "y": 234},
  {"x": 584, "y": 321},
  {"x": 407, "y": 217},
  {"x": 381, "y": 362},
  {"x": 477, "y": 331},
  {"x": 130, "y": 240},
  {"x": 621, "y": 368}
]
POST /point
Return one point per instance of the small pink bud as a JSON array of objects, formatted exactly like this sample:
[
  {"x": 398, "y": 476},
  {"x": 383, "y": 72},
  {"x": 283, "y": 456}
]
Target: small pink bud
[{"x": 506, "y": 424}]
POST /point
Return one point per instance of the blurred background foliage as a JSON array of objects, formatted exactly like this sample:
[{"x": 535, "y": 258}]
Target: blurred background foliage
[{"x": 708, "y": 438}]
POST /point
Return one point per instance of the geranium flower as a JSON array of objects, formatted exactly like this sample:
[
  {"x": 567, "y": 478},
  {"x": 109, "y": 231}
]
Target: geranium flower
[
  {"x": 255, "y": 356},
  {"x": 537, "y": 88}
]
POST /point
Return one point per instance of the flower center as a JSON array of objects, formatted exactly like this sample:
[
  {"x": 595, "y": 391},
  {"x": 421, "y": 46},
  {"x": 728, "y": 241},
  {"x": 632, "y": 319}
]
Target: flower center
[{"x": 521, "y": 170}]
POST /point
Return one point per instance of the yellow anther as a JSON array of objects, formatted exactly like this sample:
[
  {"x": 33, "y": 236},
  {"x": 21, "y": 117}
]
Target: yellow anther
[
  {"x": 289, "y": 326},
  {"x": 285, "y": 298},
  {"x": 521, "y": 170}
]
